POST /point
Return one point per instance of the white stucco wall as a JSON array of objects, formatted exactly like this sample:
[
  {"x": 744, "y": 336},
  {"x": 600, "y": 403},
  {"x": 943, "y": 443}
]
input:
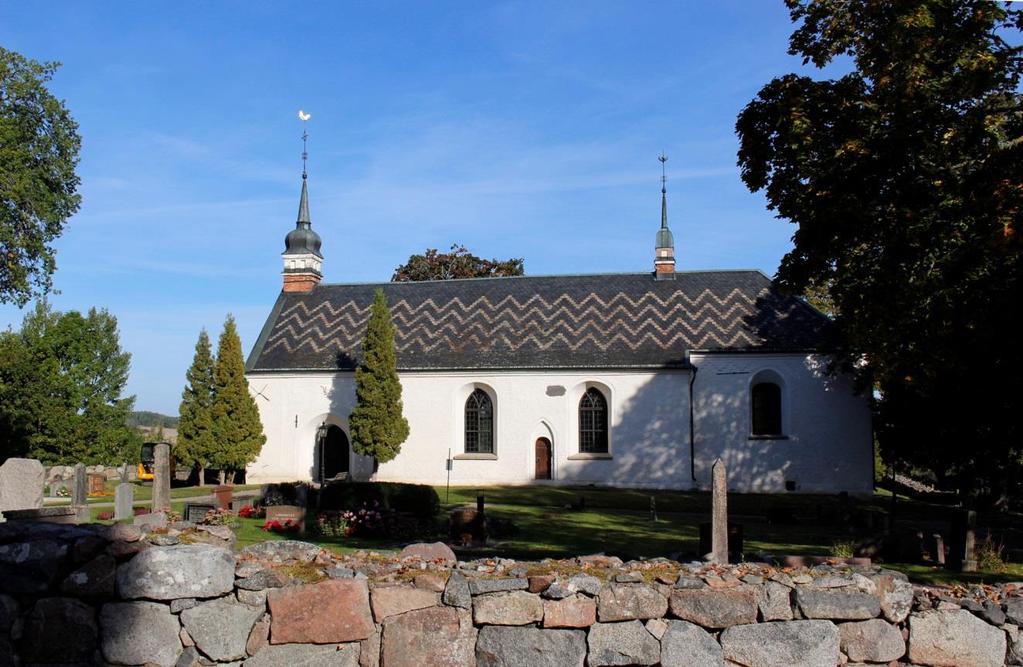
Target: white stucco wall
[{"x": 828, "y": 429}]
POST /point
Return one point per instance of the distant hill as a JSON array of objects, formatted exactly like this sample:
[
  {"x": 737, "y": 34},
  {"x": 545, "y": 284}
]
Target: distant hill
[{"x": 152, "y": 419}]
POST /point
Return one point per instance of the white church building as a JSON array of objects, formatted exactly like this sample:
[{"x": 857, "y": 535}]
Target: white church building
[{"x": 631, "y": 380}]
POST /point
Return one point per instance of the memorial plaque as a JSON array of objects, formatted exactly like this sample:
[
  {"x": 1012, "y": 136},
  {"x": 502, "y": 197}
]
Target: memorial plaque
[{"x": 196, "y": 513}]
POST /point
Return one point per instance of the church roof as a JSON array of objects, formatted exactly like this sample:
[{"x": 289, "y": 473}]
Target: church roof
[{"x": 585, "y": 321}]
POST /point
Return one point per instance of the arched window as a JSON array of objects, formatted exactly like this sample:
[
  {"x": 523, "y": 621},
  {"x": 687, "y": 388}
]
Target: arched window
[
  {"x": 593, "y": 422},
  {"x": 479, "y": 423},
  {"x": 766, "y": 400}
]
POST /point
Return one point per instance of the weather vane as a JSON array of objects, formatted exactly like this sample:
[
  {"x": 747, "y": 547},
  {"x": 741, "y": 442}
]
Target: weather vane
[
  {"x": 664, "y": 178},
  {"x": 303, "y": 116}
]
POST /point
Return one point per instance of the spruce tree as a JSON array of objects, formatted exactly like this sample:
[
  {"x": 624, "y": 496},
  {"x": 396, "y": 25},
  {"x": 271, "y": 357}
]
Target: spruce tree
[
  {"x": 377, "y": 425},
  {"x": 195, "y": 446},
  {"x": 237, "y": 431}
]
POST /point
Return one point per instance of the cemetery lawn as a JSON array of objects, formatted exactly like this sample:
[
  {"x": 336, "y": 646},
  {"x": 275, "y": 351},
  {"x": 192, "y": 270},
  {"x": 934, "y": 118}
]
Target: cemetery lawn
[
  {"x": 144, "y": 492},
  {"x": 550, "y": 524}
]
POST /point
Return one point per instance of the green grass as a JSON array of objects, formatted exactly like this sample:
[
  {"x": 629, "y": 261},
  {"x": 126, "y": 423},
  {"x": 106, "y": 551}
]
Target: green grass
[
  {"x": 144, "y": 492},
  {"x": 561, "y": 522}
]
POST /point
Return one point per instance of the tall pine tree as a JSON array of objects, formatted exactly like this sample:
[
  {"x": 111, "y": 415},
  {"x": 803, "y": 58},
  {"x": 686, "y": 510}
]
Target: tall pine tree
[
  {"x": 377, "y": 425},
  {"x": 236, "y": 427},
  {"x": 196, "y": 444}
]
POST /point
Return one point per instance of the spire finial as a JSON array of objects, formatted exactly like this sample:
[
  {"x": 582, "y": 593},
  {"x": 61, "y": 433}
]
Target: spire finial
[
  {"x": 664, "y": 191},
  {"x": 303, "y": 204},
  {"x": 303, "y": 116}
]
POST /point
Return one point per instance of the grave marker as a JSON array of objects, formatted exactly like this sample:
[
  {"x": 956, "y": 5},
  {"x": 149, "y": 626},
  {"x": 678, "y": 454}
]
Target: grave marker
[
  {"x": 21, "y": 484},
  {"x": 81, "y": 490},
  {"x": 719, "y": 513},
  {"x": 124, "y": 498},
  {"x": 161, "y": 477}
]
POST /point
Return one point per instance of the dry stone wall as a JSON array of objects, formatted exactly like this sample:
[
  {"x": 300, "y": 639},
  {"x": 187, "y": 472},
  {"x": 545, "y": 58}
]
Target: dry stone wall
[{"x": 115, "y": 596}]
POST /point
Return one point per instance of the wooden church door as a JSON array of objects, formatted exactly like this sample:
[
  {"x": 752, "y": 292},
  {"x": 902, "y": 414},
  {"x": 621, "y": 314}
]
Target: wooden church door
[{"x": 543, "y": 458}]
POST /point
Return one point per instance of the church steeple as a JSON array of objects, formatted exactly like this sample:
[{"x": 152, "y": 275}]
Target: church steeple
[
  {"x": 302, "y": 258},
  {"x": 664, "y": 248}
]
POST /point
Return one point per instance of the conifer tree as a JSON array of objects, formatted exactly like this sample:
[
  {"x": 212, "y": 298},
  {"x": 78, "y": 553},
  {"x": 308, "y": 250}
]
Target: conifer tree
[
  {"x": 237, "y": 430},
  {"x": 196, "y": 445},
  {"x": 377, "y": 425}
]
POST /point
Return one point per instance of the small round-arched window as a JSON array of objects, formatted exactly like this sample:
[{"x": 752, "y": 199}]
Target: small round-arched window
[
  {"x": 593, "y": 422},
  {"x": 479, "y": 423},
  {"x": 766, "y": 409}
]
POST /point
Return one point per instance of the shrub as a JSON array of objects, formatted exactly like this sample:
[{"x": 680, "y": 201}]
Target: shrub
[
  {"x": 333, "y": 524},
  {"x": 843, "y": 549},
  {"x": 989, "y": 554},
  {"x": 417, "y": 500},
  {"x": 285, "y": 493},
  {"x": 219, "y": 517}
]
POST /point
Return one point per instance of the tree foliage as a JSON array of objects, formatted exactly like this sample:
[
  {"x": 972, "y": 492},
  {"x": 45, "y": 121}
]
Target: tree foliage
[
  {"x": 377, "y": 425},
  {"x": 39, "y": 146},
  {"x": 196, "y": 445},
  {"x": 61, "y": 380},
  {"x": 457, "y": 263},
  {"x": 237, "y": 429},
  {"x": 903, "y": 178}
]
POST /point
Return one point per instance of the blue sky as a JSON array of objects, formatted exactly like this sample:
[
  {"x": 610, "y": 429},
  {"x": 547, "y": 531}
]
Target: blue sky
[{"x": 518, "y": 129}]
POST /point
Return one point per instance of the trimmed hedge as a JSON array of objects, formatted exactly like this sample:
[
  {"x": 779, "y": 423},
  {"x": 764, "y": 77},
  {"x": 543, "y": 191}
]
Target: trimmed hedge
[{"x": 415, "y": 499}]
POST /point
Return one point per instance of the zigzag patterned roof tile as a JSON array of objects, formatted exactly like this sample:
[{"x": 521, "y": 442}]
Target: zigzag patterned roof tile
[{"x": 594, "y": 321}]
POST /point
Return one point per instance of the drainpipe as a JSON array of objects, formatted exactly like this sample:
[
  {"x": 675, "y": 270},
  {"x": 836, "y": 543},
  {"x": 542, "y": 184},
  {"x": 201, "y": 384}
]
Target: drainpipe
[{"x": 692, "y": 425}]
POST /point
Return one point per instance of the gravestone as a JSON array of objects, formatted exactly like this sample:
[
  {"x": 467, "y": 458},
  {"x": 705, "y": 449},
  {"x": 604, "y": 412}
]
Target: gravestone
[
  {"x": 223, "y": 493},
  {"x": 21, "y": 484},
  {"x": 97, "y": 484},
  {"x": 124, "y": 499},
  {"x": 161, "y": 477},
  {"x": 962, "y": 541},
  {"x": 59, "y": 487},
  {"x": 196, "y": 512},
  {"x": 285, "y": 513},
  {"x": 719, "y": 513},
  {"x": 80, "y": 491},
  {"x": 939, "y": 549}
]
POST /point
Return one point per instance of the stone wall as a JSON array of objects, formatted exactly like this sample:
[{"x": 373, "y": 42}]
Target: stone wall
[{"x": 112, "y": 595}]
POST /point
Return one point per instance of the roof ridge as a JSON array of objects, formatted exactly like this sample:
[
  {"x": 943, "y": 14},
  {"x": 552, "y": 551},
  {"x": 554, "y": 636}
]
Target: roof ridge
[{"x": 538, "y": 276}]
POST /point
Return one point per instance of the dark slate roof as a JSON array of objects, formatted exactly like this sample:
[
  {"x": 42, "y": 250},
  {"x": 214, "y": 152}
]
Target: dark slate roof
[{"x": 589, "y": 321}]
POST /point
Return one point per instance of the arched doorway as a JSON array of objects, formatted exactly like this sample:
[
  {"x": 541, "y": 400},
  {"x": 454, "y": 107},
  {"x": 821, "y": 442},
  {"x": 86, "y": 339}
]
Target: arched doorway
[
  {"x": 543, "y": 458},
  {"x": 336, "y": 462}
]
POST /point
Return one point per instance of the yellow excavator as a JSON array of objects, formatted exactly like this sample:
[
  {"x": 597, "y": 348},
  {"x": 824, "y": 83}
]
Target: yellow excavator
[{"x": 147, "y": 461}]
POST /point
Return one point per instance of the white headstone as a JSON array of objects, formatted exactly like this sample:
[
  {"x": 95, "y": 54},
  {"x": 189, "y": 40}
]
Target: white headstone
[{"x": 21, "y": 484}]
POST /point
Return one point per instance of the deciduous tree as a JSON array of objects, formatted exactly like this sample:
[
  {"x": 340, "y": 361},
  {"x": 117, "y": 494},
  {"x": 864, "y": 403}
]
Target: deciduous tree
[
  {"x": 457, "y": 263},
  {"x": 377, "y": 425},
  {"x": 237, "y": 429},
  {"x": 61, "y": 379},
  {"x": 196, "y": 445},
  {"x": 903, "y": 178},
  {"x": 39, "y": 147}
]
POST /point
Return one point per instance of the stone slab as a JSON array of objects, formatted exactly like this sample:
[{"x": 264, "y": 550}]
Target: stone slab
[
  {"x": 532, "y": 647},
  {"x": 21, "y": 484},
  {"x": 332, "y": 611}
]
